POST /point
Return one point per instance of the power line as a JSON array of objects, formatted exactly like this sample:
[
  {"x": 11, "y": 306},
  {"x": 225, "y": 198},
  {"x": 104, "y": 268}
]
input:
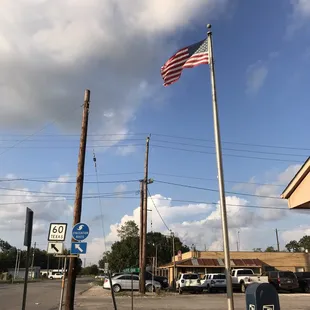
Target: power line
[
  {"x": 99, "y": 198},
  {"x": 67, "y": 182},
  {"x": 44, "y": 179},
  {"x": 231, "y": 142},
  {"x": 162, "y": 199},
  {"x": 230, "y": 149},
  {"x": 150, "y": 196},
  {"x": 216, "y": 190},
  {"x": 225, "y": 154}
]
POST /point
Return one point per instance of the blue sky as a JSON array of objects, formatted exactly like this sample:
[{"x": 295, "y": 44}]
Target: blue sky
[{"x": 261, "y": 51}]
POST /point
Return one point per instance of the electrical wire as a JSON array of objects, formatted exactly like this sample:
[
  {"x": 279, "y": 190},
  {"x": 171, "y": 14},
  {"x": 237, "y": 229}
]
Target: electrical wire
[
  {"x": 225, "y": 154},
  {"x": 99, "y": 199},
  {"x": 216, "y": 190},
  {"x": 162, "y": 199},
  {"x": 229, "y": 149},
  {"x": 150, "y": 196}
]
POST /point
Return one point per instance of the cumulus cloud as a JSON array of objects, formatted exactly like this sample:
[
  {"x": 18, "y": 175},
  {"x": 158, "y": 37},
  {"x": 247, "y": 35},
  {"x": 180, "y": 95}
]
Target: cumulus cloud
[
  {"x": 298, "y": 17},
  {"x": 15, "y": 198},
  {"x": 200, "y": 224},
  {"x": 50, "y": 51}
]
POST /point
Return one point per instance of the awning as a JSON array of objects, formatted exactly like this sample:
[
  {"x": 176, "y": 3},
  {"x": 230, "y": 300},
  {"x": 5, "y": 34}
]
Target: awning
[{"x": 219, "y": 262}]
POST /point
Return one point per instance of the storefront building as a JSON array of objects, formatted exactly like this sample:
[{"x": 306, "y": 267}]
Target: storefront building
[{"x": 213, "y": 262}]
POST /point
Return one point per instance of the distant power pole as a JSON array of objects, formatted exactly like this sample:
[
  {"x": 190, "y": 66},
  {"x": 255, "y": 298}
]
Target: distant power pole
[
  {"x": 70, "y": 289},
  {"x": 144, "y": 221},
  {"x": 277, "y": 237},
  {"x": 141, "y": 232}
]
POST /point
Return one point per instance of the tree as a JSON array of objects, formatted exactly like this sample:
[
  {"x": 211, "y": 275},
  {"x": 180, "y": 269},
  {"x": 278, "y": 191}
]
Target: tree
[
  {"x": 125, "y": 252},
  {"x": 270, "y": 249},
  {"x": 90, "y": 270},
  {"x": 293, "y": 246},
  {"x": 129, "y": 229},
  {"x": 304, "y": 242},
  {"x": 257, "y": 250}
]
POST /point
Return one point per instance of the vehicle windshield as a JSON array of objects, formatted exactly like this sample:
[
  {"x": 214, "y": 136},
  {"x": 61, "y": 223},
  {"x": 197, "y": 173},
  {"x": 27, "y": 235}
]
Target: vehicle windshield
[
  {"x": 219, "y": 276},
  {"x": 190, "y": 276},
  {"x": 244, "y": 272},
  {"x": 286, "y": 275}
]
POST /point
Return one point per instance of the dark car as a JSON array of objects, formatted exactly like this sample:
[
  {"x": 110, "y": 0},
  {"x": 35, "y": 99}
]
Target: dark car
[
  {"x": 283, "y": 280},
  {"x": 162, "y": 280},
  {"x": 304, "y": 281}
]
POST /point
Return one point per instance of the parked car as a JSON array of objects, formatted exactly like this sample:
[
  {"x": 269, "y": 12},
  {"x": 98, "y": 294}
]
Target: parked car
[
  {"x": 189, "y": 282},
  {"x": 56, "y": 275},
  {"x": 214, "y": 282},
  {"x": 283, "y": 280},
  {"x": 162, "y": 280},
  {"x": 242, "y": 278},
  {"x": 128, "y": 281},
  {"x": 303, "y": 281},
  {"x": 101, "y": 277}
]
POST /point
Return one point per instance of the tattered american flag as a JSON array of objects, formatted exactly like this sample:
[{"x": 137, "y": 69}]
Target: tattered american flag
[{"x": 188, "y": 57}]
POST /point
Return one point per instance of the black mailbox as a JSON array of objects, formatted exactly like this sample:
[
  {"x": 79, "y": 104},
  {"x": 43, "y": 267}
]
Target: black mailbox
[{"x": 262, "y": 297}]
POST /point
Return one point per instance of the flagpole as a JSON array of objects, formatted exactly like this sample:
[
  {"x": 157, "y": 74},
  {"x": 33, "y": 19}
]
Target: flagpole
[{"x": 218, "y": 148}]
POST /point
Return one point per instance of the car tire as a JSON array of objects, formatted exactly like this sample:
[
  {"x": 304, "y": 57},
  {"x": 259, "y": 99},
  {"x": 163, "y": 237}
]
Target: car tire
[
  {"x": 209, "y": 289},
  {"x": 180, "y": 291},
  {"x": 306, "y": 289},
  {"x": 150, "y": 288},
  {"x": 116, "y": 288}
]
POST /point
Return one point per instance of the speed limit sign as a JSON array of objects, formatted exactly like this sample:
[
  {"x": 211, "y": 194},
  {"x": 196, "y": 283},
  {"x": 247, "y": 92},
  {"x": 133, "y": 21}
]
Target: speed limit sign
[{"x": 57, "y": 232}]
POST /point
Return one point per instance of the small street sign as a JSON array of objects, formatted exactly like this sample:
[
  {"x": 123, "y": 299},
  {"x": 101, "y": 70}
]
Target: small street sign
[
  {"x": 57, "y": 232},
  {"x": 80, "y": 231},
  {"x": 55, "y": 248},
  {"x": 78, "y": 247},
  {"x": 106, "y": 267}
]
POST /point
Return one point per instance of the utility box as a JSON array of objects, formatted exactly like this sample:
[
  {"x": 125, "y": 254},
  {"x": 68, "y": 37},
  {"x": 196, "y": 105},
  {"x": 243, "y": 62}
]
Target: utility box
[{"x": 262, "y": 296}]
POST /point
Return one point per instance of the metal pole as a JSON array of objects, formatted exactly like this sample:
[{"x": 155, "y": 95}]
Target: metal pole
[
  {"x": 131, "y": 291},
  {"x": 15, "y": 270},
  {"x": 32, "y": 262},
  {"x": 173, "y": 250},
  {"x": 230, "y": 300},
  {"x": 63, "y": 283},
  {"x": 26, "y": 278},
  {"x": 112, "y": 291},
  {"x": 18, "y": 264},
  {"x": 278, "y": 243}
]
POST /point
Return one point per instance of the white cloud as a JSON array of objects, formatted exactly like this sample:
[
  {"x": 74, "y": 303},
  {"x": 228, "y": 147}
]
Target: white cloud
[
  {"x": 200, "y": 224},
  {"x": 15, "y": 198},
  {"x": 50, "y": 51},
  {"x": 256, "y": 75},
  {"x": 298, "y": 17}
]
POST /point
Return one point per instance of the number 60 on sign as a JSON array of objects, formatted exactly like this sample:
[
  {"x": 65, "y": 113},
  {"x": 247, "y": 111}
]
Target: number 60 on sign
[{"x": 57, "y": 232}]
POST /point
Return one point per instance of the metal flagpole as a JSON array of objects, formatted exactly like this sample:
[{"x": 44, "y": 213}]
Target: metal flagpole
[{"x": 230, "y": 300}]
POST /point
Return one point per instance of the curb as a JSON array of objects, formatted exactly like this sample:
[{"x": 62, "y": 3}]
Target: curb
[{"x": 87, "y": 289}]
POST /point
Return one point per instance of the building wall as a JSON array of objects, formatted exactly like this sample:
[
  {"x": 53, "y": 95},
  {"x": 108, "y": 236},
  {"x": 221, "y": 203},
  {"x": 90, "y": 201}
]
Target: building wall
[{"x": 301, "y": 195}]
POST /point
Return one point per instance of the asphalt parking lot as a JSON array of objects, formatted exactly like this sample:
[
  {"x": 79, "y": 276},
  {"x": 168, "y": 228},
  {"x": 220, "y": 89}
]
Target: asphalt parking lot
[{"x": 97, "y": 298}]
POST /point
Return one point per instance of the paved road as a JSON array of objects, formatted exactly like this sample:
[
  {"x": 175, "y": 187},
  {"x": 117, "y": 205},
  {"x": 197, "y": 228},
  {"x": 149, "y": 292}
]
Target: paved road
[{"x": 41, "y": 295}]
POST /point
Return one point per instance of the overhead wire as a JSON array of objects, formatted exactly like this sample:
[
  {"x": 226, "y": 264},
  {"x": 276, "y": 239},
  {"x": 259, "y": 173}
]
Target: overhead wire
[
  {"x": 150, "y": 196},
  {"x": 215, "y": 190},
  {"x": 99, "y": 199}
]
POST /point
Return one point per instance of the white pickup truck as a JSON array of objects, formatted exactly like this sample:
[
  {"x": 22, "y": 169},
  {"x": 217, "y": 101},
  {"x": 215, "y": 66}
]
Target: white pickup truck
[{"x": 241, "y": 278}]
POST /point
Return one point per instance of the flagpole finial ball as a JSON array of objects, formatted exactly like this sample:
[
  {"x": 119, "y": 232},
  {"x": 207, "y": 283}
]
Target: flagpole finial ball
[{"x": 209, "y": 26}]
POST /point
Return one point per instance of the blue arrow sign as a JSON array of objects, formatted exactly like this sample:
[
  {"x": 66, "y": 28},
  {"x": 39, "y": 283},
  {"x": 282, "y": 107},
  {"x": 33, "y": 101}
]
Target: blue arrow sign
[
  {"x": 78, "y": 247},
  {"x": 80, "y": 231}
]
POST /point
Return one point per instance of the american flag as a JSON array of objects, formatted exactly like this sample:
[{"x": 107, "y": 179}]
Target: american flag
[{"x": 187, "y": 57}]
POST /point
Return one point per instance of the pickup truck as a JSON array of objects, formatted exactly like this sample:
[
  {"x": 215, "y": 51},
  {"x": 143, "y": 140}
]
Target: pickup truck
[{"x": 241, "y": 278}]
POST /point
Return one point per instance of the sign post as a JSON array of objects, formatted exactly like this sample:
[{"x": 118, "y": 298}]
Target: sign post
[{"x": 27, "y": 243}]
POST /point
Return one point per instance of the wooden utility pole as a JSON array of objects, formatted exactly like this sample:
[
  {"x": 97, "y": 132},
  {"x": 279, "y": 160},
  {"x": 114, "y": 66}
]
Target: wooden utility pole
[
  {"x": 141, "y": 232},
  {"x": 144, "y": 221},
  {"x": 70, "y": 290},
  {"x": 278, "y": 243},
  {"x": 173, "y": 250}
]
